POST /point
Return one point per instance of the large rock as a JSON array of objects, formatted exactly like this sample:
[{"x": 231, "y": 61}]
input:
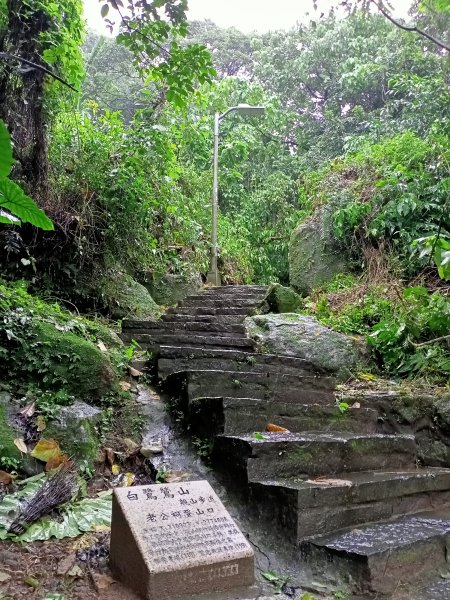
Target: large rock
[
  {"x": 83, "y": 368},
  {"x": 304, "y": 337},
  {"x": 312, "y": 258},
  {"x": 126, "y": 298},
  {"x": 171, "y": 289},
  {"x": 281, "y": 299},
  {"x": 75, "y": 429}
]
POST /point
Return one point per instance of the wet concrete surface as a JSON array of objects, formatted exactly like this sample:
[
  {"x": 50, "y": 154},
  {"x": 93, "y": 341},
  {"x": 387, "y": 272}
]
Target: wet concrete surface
[{"x": 272, "y": 551}]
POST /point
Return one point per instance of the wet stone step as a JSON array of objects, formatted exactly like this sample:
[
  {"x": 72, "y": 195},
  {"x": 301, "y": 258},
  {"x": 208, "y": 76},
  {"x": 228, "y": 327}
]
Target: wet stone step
[
  {"x": 173, "y": 359},
  {"x": 190, "y": 326},
  {"x": 150, "y": 334},
  {"x": 318, "y": 506},
  {"x": 187, "y": 339},
  {"x": 214, "y": 319},
  {"x": 436, "y": 590},
  {"x": 236, "y": 416},
  {"x": 381, "y": 558},
  {"x": 234, "y": 384},
  {"x": 233, "y": 289},
  {"x": 281, "y": 455},
  {"x": 203, "y": 300},
  {"x": 209, "y": 310}
]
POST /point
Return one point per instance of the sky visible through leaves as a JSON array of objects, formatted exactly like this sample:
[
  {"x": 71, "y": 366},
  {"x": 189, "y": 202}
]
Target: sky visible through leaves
[{"x": 247, "y": 15}]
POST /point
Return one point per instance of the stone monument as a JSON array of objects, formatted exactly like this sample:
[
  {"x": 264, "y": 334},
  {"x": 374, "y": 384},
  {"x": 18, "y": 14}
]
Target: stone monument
[{"x": 177, "y": 540}]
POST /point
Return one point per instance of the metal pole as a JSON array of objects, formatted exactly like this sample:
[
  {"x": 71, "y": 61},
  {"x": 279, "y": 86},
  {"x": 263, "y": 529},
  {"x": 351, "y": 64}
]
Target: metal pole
[{"x": 213, "y": 275}]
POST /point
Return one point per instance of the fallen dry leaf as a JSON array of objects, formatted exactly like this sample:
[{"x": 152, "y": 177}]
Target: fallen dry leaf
[
  {"x": 31, "y": 581},
  {"x": 4, "y": 577},
  {"x": 29, "y": 410},
  {"x": 103, "y": 581},
  {"x": 134, "y": 372},
  {"x": 273, "y": 427},
  {"x": 5, "y": 478},
  {"x": 45, "y": 450},
  {"x": 75, "y": 571},
  {"x": 56, "y": 461},
  {"x": 356, "y": 405},
  {"x": 125, "y": 386},
  {"x": 115, "y": 469},
  {"x": 20, "y": 444},
  {"x": 40, "y": 423},
  {"x": 65, "y": 565}
]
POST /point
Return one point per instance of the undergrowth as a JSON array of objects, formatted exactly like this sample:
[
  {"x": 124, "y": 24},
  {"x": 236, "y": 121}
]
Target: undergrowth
[{"x": 407, "y": 329}]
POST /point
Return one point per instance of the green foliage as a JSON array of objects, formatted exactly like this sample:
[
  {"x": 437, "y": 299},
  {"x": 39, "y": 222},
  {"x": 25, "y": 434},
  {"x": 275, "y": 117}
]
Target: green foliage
[
  {"x": 52, "y": 355},
  {"x": 18, "y": 207},
  {"x": 152, "y": 32},
  {"x": 406, "y": 331}
]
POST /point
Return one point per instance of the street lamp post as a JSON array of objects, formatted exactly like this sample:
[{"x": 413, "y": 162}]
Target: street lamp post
[{"x": 213, "y": 276}]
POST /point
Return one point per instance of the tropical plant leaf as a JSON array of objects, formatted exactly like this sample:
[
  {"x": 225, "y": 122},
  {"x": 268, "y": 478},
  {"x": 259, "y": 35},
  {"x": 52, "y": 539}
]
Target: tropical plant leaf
[
  {"x": 75, "y": 518},
  {"x": 6, "y": 157},
  {"x": 14, "y": 200}
]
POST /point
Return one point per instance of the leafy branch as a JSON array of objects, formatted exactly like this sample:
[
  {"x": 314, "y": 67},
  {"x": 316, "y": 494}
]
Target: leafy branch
[{"x": 15, "y": 206}]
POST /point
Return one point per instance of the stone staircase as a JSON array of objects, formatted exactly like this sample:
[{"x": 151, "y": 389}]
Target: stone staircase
[{"x": 348, "y": 496}]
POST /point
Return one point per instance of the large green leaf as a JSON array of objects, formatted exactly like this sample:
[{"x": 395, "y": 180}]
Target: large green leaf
[
  {"x": 6, "y": 157},
  {"x": 15, "y": 201},
  {"x": 75, "y": 518}
]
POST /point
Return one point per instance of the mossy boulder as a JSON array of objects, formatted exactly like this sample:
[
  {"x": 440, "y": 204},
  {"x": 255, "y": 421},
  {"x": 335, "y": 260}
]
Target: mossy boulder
[
  {"x": 281, "y": 299},
  {"x": 313, "y": 258},
  {"x": 124, "y": 298},
  {"x": 70, "y": 361},
  {"x": 171, "y": 289},
  {"x": 304, "y": 337},
  {"x": 75, "y": 428}
]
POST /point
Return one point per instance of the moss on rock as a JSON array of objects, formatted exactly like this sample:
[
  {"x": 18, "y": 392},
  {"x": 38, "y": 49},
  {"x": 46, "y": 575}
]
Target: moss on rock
[
  {"x": 312, "y": 257},
  {"x": 75, "y": 428},
  {"x": 126, "y": 298},
  {"x": 283, "y": 299},
  {"x": 66, "y": 360}
]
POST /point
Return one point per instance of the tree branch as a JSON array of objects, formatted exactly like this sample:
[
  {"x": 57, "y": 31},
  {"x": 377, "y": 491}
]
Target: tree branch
[
  {"x": 439, "y": 339},
  {"x": 7, "y": 56},
  {"x": 412, "y": 28}
]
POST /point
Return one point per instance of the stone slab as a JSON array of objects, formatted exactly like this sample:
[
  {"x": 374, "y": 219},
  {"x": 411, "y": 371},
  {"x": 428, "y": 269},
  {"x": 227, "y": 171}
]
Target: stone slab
[{"x": 176, "y": 541}]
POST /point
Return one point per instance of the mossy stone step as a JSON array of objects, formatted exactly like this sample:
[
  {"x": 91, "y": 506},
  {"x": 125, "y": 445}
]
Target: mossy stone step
[
  {"x": 182, "y": 358},
  {"x": 188, "y": 326},
  {"x": 233, "y": 416},
  {"x": 211, "y": 310},
  {"x": 270, "y": 386},
  {"x": 165, "y": 338},
  {"x": 281, "y": 455},
  {"x": 317, "y": 506},
  {"x": 378, "y": 559},
  {"x": 219, "y": 302},
  {"x": 215, "y": 319}
]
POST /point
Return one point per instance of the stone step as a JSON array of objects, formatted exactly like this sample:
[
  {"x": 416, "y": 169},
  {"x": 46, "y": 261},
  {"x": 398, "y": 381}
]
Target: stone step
[
  {"x": 219, "y": 302},
  {"x": 379, "y": 559},
  {"x": 233, "y": 416},
  {"x": 233, "y": 289},
  {"x": 198, "y": 341},
  {"x": 145, "y": 335},
  {"x": 195, "y": 326},
  {"x": 318, "y": 506},
  {"x": 174, "y": 359},
  {"x": 210, "y": 310},
  {"x": 439, "y": 589},
  {"x": 265, "y": 386},
  {"x": 214, "y": 319},
  {"x": 281, "y": 455}
]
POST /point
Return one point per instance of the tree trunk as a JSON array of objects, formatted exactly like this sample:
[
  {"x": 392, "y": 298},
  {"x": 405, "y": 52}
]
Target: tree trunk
[{"x": 21, "y": 97}]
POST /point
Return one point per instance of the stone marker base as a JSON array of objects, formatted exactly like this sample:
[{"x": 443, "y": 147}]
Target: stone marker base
[
  {"x": 176, "y": 541},
  {"x": 243, "y": 593}
]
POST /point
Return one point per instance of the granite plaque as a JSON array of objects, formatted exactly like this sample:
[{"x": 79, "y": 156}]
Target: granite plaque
[{"x": 174, "y": 540}]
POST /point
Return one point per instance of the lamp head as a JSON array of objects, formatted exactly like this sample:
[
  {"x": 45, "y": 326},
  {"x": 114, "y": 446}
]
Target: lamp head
[{"x": 247, "y": 109}]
